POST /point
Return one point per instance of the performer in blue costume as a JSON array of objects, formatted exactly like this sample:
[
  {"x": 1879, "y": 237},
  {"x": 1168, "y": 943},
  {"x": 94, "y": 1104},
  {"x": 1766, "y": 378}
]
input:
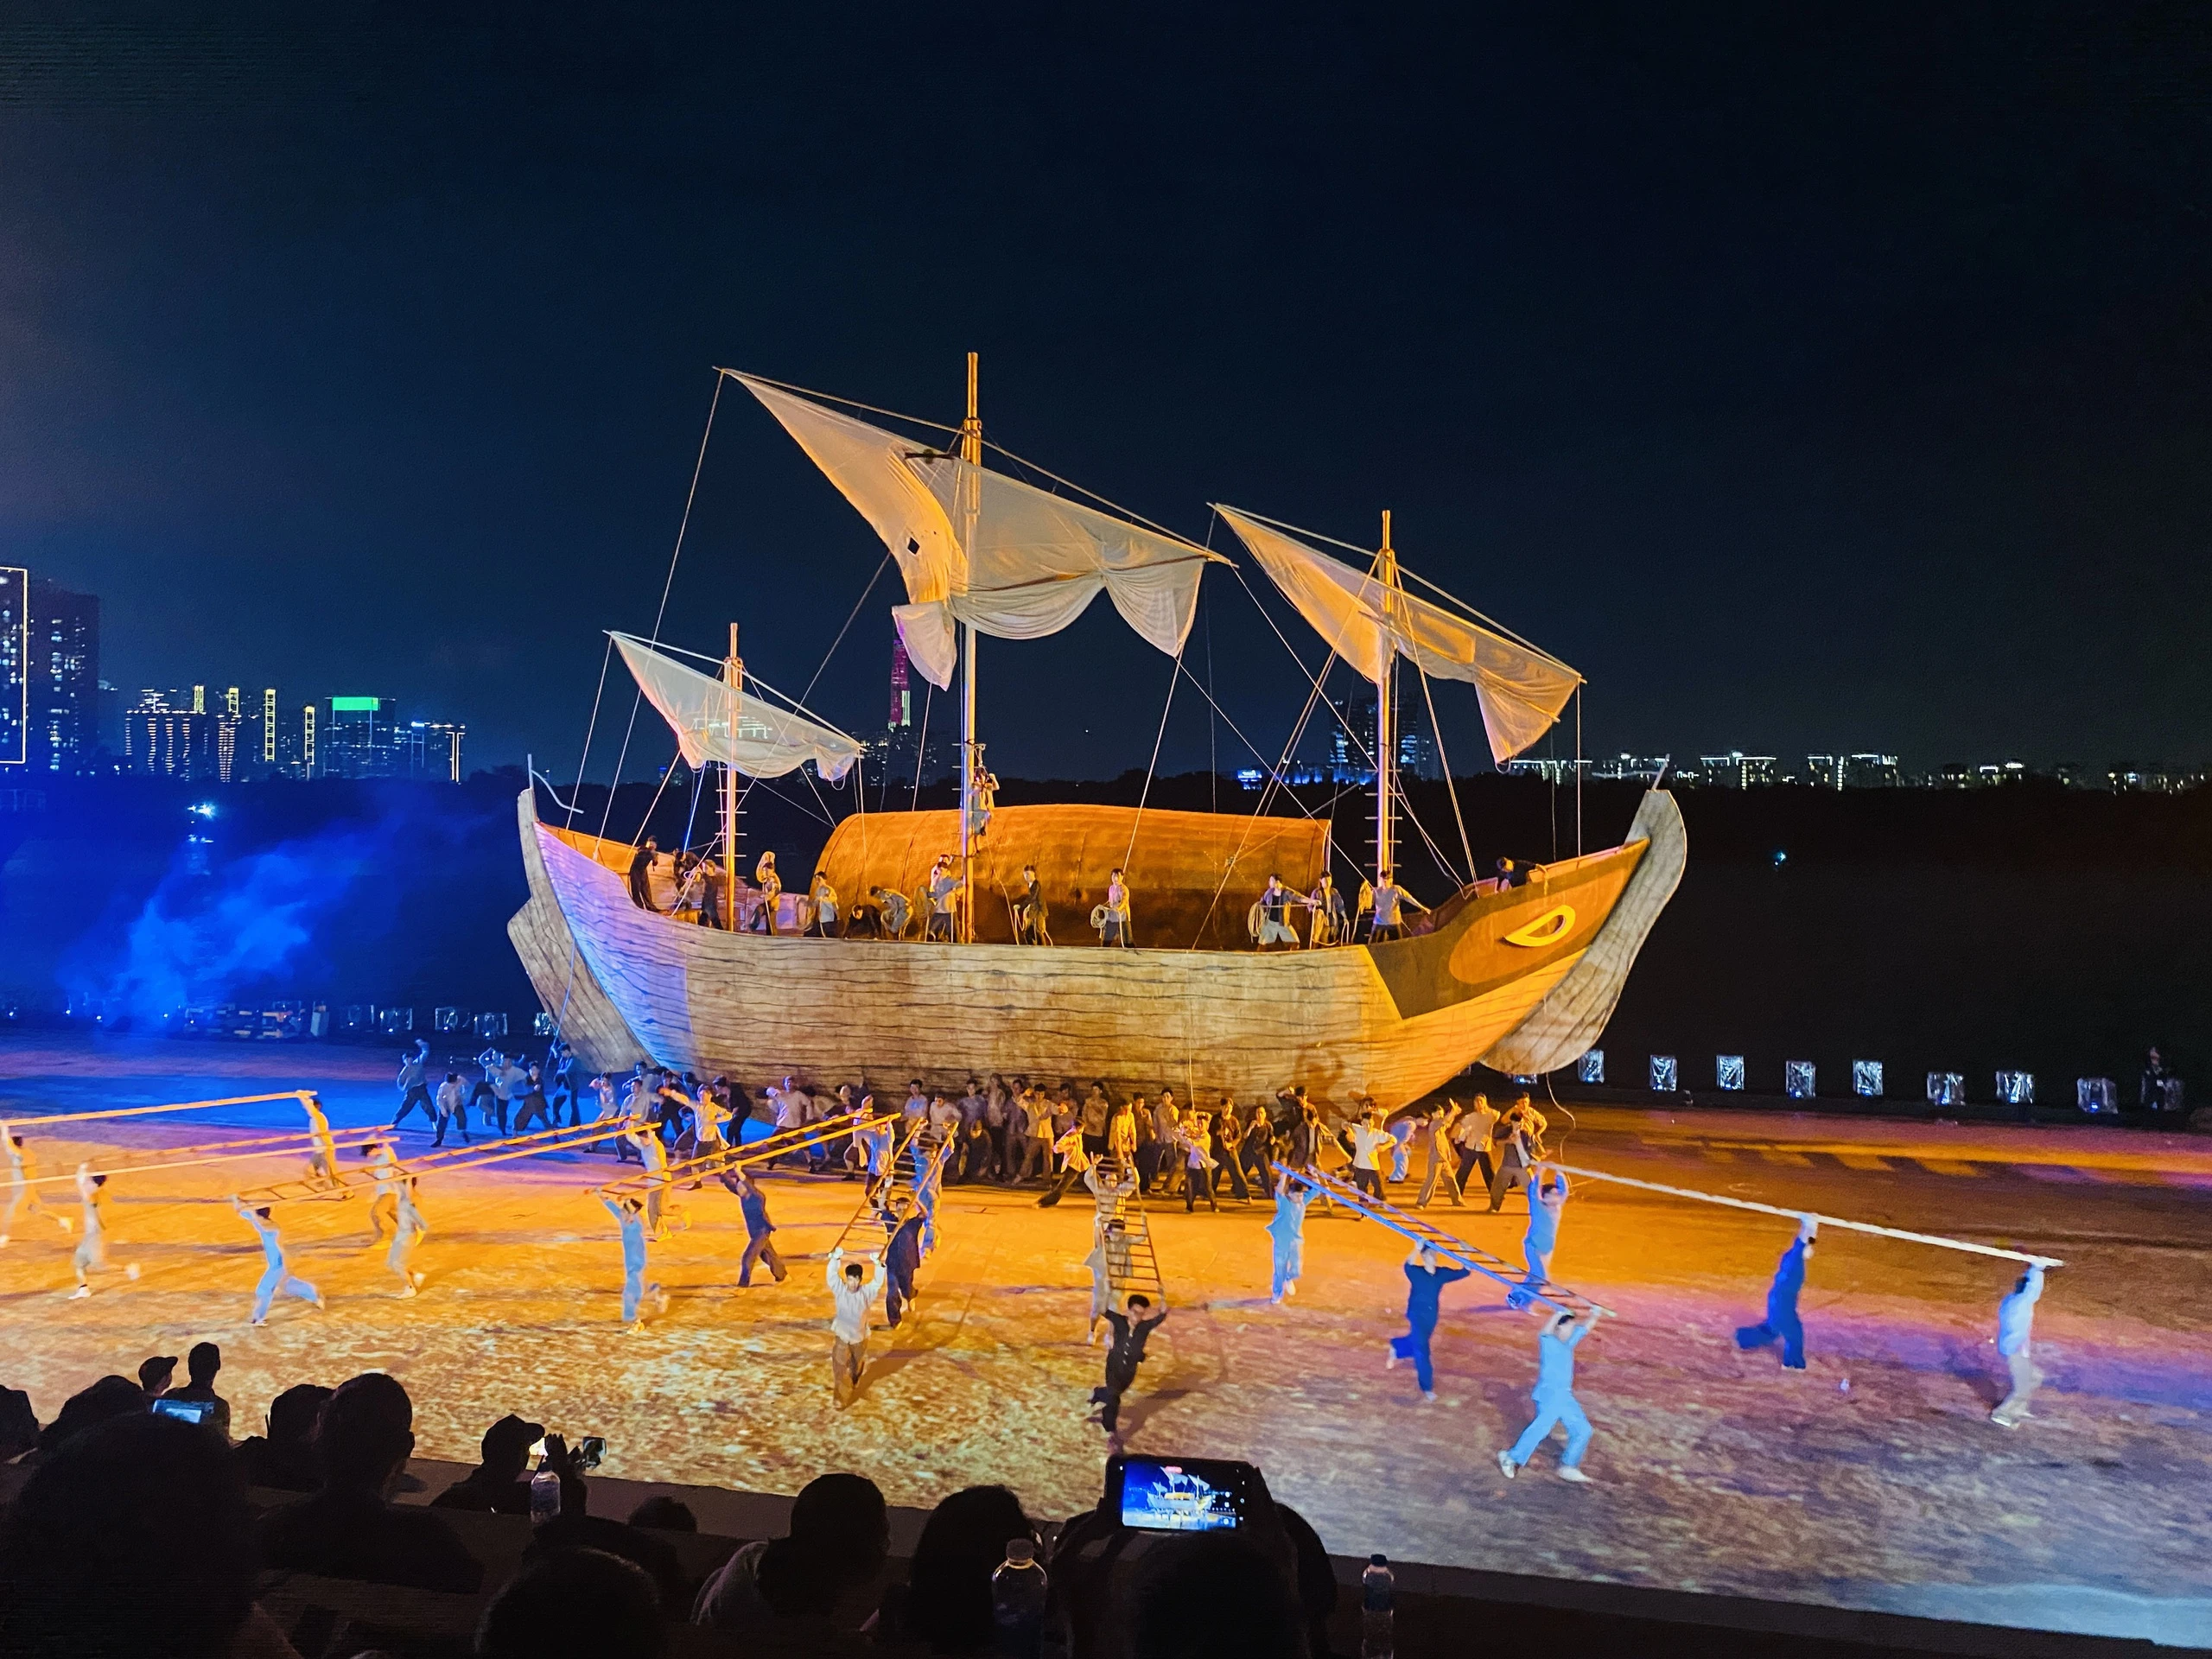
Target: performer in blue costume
[
  {"x": 1426, "y": 1277},
  {"x": 1782, "y": 1324}
]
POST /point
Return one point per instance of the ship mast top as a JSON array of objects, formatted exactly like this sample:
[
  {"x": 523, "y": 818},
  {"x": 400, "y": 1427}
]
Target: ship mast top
[{"x": 971, "y": 451}]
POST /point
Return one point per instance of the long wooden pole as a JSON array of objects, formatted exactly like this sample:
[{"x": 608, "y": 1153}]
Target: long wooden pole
[
  {"x": 1812, "y": 1215},
  {"x": 143, "y": 1111}
]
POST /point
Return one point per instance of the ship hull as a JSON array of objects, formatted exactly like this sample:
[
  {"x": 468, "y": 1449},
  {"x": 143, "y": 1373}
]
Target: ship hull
[{"x": 1394, "y": 1021}]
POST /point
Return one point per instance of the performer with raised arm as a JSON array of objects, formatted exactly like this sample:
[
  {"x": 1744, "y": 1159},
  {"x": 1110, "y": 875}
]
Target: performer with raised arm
[
  {"x": 413, "y": 1083},
  {"x": 22, "y": 1172},
  {"x": 1287, "y": 1229},
  {"x": 1782, "y": 1324},
  {"x": 322, "y": 1151},
  {"x": 944, "y": 899},
  {"x": 760, "y": 1231},
  {"x": 629, "y": 1213},
  {"x": 929, "y": 1182},
  {"x": 1554, "y": 1396},
  {"x": 1441, "y": 1157},
  {"x": 1546, "y": 1198},
  {"x": 277, "y": 1277},
  {"x": 1132, "y": 1328},
  {"x": 408, "y": 1229},
  {"x": 2016, "y": 1319},
  {"x": 1369, "y": 1141},
  {"x": 1426, "y": 1277},
  {"x": 854, "y": 1290},
  {"x": 91, "y": 1256},
  {"x": 645, "y": 1137},
  {"x": 1390, "y": 900}
]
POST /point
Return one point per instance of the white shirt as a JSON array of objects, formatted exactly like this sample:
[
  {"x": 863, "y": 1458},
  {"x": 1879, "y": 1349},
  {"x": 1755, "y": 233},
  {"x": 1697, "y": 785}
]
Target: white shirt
[
  {"x": 850, "y": 1323},
  {"x": 1367, "y": 1141}
]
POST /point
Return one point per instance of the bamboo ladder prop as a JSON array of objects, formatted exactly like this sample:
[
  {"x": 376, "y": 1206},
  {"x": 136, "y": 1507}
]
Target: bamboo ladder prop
[
  {"x": 480, "y": 1155},
  {"x": 1551, "y": 1294},
  {"x": 737, "y": 1156},
  {"x": 1135, "y": 1265},
  {"x": 907, "y": 1156}
]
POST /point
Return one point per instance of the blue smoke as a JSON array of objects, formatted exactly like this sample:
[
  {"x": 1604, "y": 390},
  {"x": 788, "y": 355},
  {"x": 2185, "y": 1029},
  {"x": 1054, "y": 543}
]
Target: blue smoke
[{"x": 202, "y": 937}]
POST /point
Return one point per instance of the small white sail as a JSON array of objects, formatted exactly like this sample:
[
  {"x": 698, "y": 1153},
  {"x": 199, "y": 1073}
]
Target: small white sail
[
  {"x": 711, "y": 722},
  {"x": 1521, "y": 689},
  {"x": 978, "y": 547}
]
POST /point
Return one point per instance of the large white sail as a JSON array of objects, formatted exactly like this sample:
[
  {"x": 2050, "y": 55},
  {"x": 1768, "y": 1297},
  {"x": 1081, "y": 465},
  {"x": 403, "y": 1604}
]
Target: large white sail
[
  {"x": 975, "y": 546},
  {"x": 711, "y": 722},
  {"x": 1521, "y": 689}
]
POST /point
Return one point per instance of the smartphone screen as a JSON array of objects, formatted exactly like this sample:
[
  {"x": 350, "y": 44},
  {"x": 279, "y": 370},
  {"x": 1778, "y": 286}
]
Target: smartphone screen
[
  {"x": 1184, "y": 1495},
  {"x": 593, "y": 1449},
  {"x": 190, "y": 1411}
]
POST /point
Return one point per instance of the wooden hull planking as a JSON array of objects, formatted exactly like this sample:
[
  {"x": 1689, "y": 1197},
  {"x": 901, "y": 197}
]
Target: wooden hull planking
[{"x": 1394, "y": 1021}]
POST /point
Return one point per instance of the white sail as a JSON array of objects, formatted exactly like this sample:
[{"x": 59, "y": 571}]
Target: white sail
[
  {"x": 1521, "y": 689},
  {"x": 975, "y": 546},
  {"x": 711, "y": 722}
]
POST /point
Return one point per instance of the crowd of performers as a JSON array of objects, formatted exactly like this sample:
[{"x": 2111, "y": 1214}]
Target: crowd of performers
[{"x": 1120, "y": 1148}]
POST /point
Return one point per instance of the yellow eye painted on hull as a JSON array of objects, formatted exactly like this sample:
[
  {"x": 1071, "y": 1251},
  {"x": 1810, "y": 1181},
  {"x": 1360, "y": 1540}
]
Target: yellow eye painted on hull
[{"x": 1549, "y": 928}]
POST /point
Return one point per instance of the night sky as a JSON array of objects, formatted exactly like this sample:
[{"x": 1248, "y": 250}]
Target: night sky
[{"x": 1808, "y": 379}]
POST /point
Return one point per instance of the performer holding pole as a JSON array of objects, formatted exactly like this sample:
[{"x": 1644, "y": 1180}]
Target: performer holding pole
[
  {"x": 1546, "y": 1198},
  {"x": 322, "y": 1154},
  {"x": 629, "y": 1213},
  {"x": 277, "y": 1273},
  {"x": 23, "y": 1174},
  {"x": 384, "y": 1204},
  {"x": 1782, "y": 1324},
  {"x": 758, "y": 1229},
  {"x": 2016, "y": 1319},
  {"x": 1288, "y": 1230},
  {"x": 1426, "y": 1277},
  {"x": 1554, "y": 1396},
  {"x": 902, "y": 1256},
  {"x": 854, "y": 1292}
]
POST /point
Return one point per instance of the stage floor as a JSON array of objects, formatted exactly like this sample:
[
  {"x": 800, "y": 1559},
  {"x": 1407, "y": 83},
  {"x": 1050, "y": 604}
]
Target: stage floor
[{"x": 1873, "y": 1479}]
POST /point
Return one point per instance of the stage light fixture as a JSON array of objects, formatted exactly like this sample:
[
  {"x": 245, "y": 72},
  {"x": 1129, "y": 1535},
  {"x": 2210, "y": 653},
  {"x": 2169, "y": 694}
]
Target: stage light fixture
[
  {"x": 2100, "y": 1097},
  {"x": 1945, "y": 1089},
  {"x": 2017, "y": 1088},
  {"x": 1800, "y": 1079},
  {"x": 1728, "y": 1071},
  {"x": 1591, "y": 1068},
  {"x": 1665, "y": 1075},
  {"x": 1866, "y": 1079}
]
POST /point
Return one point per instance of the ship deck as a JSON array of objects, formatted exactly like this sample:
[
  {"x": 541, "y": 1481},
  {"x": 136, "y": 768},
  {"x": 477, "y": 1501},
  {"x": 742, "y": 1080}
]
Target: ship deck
[{"x": 1873, "y": 1479}]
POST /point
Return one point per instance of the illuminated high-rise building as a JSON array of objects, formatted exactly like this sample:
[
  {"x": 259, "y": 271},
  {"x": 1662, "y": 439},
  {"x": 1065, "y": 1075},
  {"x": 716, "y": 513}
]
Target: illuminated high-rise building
[
  {"x": 230, "y": 702},
  {"x": 268, "y": 727},
  {"x": 198, "y": 699},
  {"x": 14, "y": 665},
  {"x": 307, "y": 740}
]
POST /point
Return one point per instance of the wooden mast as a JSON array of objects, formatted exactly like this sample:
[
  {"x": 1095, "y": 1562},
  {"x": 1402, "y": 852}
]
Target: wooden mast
[
  {"x": 971, "y": 451},
  {"x": 734, "y": 677},
  {"x": 1385, "y": 750}
]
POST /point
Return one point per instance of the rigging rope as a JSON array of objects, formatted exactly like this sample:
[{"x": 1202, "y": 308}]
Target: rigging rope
[
  {"x": 575, "y": 795},
  {"x": 661, "y": 614},
  {"x": 1160, "y": 736},
  {"x": 1436, "y": 730}
]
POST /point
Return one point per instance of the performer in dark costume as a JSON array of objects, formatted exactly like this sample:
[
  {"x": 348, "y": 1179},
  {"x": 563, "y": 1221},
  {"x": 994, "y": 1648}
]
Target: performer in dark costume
[{"x": 1132, "y": 1330}]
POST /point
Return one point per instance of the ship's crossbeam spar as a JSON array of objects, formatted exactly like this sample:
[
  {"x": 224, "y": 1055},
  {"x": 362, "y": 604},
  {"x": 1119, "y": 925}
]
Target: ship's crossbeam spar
[
  {"x": 1472, "y": 1257},
  {"x": 479, "y": 1156}
]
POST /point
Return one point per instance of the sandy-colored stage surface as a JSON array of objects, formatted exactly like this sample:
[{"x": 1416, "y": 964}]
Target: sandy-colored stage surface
[{"x": 1873, "y": 1479}]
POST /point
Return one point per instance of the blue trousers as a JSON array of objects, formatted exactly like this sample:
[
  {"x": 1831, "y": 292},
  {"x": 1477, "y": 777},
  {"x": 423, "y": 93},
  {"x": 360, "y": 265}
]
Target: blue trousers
[
  {"x": 633, "y": 1291},
  {"x": 275, "y": 1282},
  {"x": 1413, "y": 1345},
  {"x": 1287, "y": 1266},
  {"x": 1550, "y": 1413},
  {"x": 1790, "y": 1333}
]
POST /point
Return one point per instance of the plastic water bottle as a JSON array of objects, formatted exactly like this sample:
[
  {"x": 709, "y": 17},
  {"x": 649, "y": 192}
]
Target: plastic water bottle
[
  {"x": 1017, "y": 1601},
  {"x": 544, "y": 1496},
  {"x": 1377, "y": 1590}
]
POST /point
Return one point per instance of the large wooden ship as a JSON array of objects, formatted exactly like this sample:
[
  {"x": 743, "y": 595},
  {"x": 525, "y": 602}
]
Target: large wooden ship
[{"x": 1520, "y": 975}]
